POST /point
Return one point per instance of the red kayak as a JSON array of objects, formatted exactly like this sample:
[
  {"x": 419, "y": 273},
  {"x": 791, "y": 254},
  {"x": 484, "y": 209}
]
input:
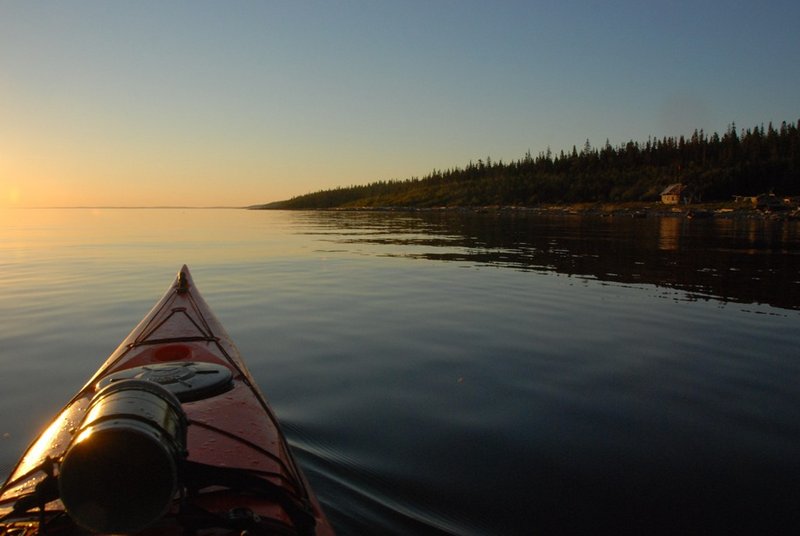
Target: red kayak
[{"x": 170, "y": 436}]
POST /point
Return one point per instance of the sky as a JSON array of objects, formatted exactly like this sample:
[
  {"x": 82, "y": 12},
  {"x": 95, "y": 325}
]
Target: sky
[{"x": 234, "y": 103}]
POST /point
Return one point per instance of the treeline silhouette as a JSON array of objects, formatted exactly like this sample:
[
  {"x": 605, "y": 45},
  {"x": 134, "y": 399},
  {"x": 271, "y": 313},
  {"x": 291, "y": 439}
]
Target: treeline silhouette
[{"x": 753, "y": 161}]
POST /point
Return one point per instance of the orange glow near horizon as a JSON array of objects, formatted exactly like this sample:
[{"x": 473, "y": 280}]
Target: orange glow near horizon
[
  {"x": 13, "y": 196},
  {"x": 126, "y": 191},
  {"x": 36, "y": 193},
  {"x": 64, "y": 180},
  {"x": 73, "y": 175}
]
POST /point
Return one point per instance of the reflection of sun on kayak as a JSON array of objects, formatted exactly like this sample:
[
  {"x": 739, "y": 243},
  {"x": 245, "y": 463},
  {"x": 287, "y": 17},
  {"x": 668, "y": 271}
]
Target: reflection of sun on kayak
[{"x": 170, "y": 436}]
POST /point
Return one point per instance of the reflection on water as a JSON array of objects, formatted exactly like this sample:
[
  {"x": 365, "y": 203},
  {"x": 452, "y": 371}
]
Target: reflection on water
[
  {"x": 559, "y": 375},
  {"x": 745, "y": 261},
  {"x": 669, "y": 233}
]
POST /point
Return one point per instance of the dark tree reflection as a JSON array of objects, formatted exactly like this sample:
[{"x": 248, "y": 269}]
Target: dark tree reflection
[{"x": 736, "y": 260}]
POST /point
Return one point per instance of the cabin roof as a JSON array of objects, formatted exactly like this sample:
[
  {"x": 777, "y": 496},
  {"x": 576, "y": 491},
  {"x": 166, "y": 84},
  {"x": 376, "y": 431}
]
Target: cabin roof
[{"x": 673, "y": 189}]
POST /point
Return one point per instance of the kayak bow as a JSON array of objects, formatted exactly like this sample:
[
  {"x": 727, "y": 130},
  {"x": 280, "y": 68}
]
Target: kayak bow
[{"x": 170, "y": 436}]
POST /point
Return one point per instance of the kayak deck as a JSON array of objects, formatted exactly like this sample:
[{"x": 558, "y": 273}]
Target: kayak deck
[{"x": 238, "y": 470}]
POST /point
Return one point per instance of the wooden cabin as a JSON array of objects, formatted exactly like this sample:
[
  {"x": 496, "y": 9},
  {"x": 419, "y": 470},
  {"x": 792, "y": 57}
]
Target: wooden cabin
[{"x": 676, "y": 194}]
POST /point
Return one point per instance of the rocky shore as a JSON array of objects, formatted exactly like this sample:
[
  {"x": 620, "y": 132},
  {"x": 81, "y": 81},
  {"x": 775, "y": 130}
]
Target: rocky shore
[{"x": 627, "y": 210}]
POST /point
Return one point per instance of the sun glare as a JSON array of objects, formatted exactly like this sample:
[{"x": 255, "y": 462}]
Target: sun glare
[{"x": 13, "y": 196}]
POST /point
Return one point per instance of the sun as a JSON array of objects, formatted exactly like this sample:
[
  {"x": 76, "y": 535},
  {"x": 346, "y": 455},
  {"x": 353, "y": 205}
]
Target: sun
[{"x": 14, "y": 195}]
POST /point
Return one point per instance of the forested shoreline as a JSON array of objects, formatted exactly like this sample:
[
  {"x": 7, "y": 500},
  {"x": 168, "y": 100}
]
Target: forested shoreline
[{"x": 716, "y": 167}]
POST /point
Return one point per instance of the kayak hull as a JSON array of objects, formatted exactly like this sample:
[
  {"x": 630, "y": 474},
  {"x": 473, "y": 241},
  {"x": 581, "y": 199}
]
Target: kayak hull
[{"x": 231, "y": 431}]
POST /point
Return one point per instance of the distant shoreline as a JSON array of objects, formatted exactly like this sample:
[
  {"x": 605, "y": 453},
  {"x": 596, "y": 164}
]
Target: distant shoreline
[{"x": 631, "y": 210}]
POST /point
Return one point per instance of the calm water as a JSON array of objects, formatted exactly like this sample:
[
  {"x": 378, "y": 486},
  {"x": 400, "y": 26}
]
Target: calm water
[{"x": 455, "y": 374}]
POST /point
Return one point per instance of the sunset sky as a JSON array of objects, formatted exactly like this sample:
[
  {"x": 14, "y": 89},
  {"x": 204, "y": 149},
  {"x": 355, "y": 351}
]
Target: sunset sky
[{"x": 236, "y": 103}]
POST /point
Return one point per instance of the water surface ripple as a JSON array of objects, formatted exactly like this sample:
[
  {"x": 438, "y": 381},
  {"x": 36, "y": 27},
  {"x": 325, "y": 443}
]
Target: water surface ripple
[{"x": 456, "y": 373}]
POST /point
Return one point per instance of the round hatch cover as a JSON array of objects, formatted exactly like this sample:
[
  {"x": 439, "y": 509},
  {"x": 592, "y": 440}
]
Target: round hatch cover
[{"x": 188, "y": 381}]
